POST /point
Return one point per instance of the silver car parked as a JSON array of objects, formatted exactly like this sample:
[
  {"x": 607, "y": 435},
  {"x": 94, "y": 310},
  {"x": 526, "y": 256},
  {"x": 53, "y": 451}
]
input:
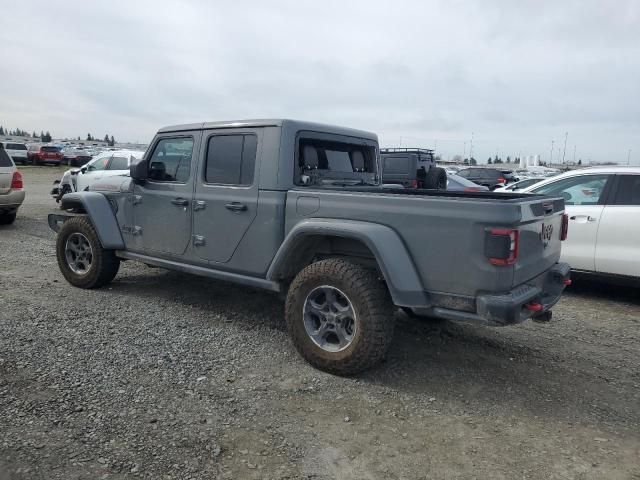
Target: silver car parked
[{"x": 11, "y": 189}]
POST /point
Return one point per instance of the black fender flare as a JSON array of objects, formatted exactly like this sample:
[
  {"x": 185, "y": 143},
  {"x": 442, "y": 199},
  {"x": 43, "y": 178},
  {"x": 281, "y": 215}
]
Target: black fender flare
[
  {"x": 390, "y": 252},
  {"x": 99, "y": 211}
]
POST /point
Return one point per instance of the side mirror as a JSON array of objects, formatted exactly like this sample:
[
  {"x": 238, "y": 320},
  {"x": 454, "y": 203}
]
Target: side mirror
[
  {"x": 567, "y": 196},
  {"x": 138, "y": 171},
  {"x": 83, "y": 169}
]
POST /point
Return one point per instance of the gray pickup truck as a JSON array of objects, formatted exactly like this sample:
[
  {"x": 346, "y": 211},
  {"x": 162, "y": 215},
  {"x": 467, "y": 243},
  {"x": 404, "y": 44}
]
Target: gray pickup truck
[{"x": 298, "y": 208}]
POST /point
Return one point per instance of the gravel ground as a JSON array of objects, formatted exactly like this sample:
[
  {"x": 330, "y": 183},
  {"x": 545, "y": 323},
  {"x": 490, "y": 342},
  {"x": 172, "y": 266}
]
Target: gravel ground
[{"x": 164, "y": 375}]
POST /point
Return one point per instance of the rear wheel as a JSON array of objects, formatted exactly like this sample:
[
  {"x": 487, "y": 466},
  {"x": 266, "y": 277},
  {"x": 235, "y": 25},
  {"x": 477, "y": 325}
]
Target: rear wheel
[
  {"x": 436, "y": 179},
  {"x": 7, "y": 218},
  {"x": 81, "y": 258},
  {"x": 339, "y": 316}
]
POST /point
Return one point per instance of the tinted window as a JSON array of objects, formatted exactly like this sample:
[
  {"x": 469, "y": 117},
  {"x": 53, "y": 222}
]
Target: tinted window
[
  {"x": 5, "y": 159},
  {"x": 231, "y": 159},
  {"x": 628, "y": 190},
  {"x": 15, "y": 146},
  {"x": 579, "y": 190},
  {"x": 118, "y": 163},
  {"x": 171, "y": 160},
  {"x": 49, "y": 149},
  {"x": 396, "y": 165}
]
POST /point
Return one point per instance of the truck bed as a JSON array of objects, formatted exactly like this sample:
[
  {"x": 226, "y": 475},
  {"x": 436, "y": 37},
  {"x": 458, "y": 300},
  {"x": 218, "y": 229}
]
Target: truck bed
[{"x": 445, "y": 232}]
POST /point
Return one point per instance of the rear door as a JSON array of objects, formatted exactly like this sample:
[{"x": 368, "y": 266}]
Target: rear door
[
  {"x": 618, "y": 241},
  {"x": 398, "y": 169},
  {"x": 584, "y": 202},
  {"x": 226, "y": 198}
]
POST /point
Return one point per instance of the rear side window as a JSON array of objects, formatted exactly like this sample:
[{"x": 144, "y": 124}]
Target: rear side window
[
  {"x": 628, "y": 192},
  {"x": 171, "y": 160},
  {"x": 118, "y": 163},
  {"x": 396, "y": 165},
  {"x": 50, "y": 149},
  {"x": 15, "y": 146},
  {"x": 231, "y": 159},
  {"x": 5, "y": 160}
]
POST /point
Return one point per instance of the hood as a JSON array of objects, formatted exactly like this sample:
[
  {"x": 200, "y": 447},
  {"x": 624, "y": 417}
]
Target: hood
[{"x": 115, "y": 184}]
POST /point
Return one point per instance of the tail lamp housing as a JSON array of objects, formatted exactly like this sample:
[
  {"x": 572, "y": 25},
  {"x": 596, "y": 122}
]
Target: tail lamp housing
[
  {"x": 501, "y": 246},
  {"x": 16, "y": 181}
]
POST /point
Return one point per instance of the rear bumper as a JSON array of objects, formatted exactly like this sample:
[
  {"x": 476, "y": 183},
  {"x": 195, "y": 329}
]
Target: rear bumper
[
  {"x": 511, "y": 307},
  {"x": 10, "y": 202}
]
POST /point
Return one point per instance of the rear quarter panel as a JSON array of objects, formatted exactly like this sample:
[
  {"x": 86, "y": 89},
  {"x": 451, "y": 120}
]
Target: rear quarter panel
[{"x": 444, "y": 236}]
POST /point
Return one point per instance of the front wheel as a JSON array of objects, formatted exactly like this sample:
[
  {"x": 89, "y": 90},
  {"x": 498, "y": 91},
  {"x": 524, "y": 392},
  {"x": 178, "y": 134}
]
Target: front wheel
[
  {"x": 339, "y": 316},
  {"x": 83, "y": 261}
]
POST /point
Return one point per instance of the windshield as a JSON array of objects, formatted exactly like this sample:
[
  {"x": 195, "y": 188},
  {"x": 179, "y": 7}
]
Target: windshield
[{"x": 50, "y": 149}]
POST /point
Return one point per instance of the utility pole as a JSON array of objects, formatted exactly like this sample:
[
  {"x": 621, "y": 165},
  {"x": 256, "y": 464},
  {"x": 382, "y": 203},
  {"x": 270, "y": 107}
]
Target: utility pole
[
  {"x": 551, "y": 159},
  {"x": 566, "y": 134}
]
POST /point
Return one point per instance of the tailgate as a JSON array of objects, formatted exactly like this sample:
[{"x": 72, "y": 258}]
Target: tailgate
[{"x": 540, "y": 232}]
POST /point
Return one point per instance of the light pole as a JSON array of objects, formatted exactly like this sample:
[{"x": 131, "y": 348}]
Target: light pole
[
  {"x": 629, "y": 157},
  {"x": 566, "y": 134},
  {"x": 471, "y": 148},
  {"x": 551, "y": 159},
  {"x": 574, "y": 154}
]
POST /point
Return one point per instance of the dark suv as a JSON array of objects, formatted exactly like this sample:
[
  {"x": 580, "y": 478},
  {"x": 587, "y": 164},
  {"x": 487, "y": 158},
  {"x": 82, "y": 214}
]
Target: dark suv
[
  {"x": 489, "y": 177},
  {"x": 412, "y": 168}
]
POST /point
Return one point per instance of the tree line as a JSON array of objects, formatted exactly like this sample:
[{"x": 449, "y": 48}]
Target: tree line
[{"x": 46, "y": 136}]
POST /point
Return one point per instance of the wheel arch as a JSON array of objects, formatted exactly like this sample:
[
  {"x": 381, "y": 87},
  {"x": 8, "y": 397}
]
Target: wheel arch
[
  {"x": 364, "y": 241},
  {"x": 98, "y": 209}
]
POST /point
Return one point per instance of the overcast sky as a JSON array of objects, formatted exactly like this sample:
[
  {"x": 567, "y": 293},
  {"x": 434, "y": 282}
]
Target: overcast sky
[{"x": 517, "y": 74}]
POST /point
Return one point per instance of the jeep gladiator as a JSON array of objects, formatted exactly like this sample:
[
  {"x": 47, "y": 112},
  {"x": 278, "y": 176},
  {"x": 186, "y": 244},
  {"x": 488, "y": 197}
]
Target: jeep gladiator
[{"x": 298, "y": 208}]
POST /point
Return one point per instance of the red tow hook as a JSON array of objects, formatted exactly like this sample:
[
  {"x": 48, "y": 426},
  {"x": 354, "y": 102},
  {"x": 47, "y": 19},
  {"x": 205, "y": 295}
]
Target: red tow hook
[
  {"x": 567, "y": 281},
  {"x": 534, "y": 306}
]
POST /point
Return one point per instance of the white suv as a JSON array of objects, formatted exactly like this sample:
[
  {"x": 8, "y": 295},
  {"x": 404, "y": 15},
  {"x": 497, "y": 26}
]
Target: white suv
[
  {"x": 603, "y": 204},
  {"x": 17, "y": 151}
]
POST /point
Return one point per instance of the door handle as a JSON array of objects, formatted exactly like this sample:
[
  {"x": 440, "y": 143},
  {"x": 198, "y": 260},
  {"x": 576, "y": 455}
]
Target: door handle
[
  {"x": 181, "y": 202},
  {"x": 236, "y": 207},
  {"x": 586, "y": 218}
]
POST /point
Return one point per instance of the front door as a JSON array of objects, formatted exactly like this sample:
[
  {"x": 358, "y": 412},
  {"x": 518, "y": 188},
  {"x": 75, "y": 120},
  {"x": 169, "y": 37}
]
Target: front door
[
  {"x": 162, "y": 204},
  {"x": 583, "y": 196},
  {"x": 92, "y": 172},
  {"x": 226, "y": 199}
]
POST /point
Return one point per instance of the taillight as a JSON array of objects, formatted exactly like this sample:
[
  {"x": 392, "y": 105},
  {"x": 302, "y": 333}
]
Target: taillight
[
  {"x": 472, "y": 189},
  {"x": 501, "y": 246},
  {"x": 414, "y": 184},
  {"x": 16, "y": 181},
  {"x": 502, "y": 180},
  {"x": 565, "y": 227}
]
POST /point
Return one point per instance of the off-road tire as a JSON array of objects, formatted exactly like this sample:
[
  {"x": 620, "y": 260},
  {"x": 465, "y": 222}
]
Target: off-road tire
[
  {"x": 436, "y": 179},
  {"x": 371, "y": 303},
  {"x": 7, "y": 218},
  {"x": 104, "y": 264}
]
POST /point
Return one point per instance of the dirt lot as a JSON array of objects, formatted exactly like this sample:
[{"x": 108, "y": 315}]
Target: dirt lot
[{"x": 163, "y": 375}]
